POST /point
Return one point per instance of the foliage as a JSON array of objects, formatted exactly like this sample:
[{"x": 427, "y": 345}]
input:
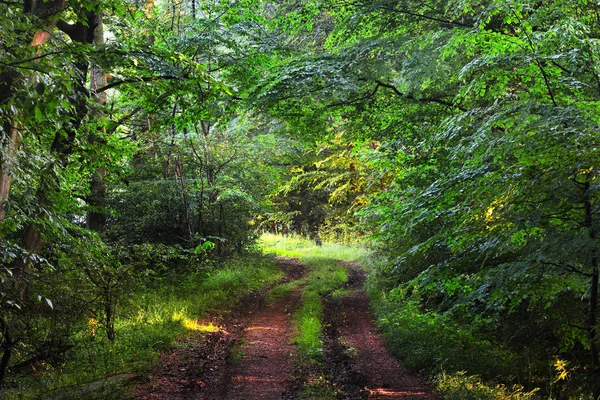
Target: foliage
[
  {"x": 464, "y": 134},
  {"x": 324, "y": 193},
  {"x": 459, "y": 387},
  {"x": 488, "y": 139},
  {"x": 149, "y": 321}
]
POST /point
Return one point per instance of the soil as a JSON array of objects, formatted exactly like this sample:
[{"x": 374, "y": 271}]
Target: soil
[
  {"x": 359, "y": 364},
  {"x": 265, "y": 369},
  {"x": 205, "y": 365},
  {"x": 251, "y": 357}
]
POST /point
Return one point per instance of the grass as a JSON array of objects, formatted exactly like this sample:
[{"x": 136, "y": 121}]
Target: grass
[
  {"x": 149, "y": 322},
  {"x": 445, "y": 350},
  {"x": 326, "y": 277},
  {"x": 296, "y": 246},
  {"x": 282, "y": 290}
]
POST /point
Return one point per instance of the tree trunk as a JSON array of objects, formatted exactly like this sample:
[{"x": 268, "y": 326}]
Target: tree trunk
[
  {"x": 11, "y": 142},
  {"x": 186, "y": 208},
  {"x": 593, "y": 333},
  {"x": 109, "y": 313},
  {"x": 11, "y": 137},
  {"x": 96, "y": 218},
  {"x": 61, "y": 149},
  {"x": 6, "y": 345},
  {"x": 593, "y": 305}
]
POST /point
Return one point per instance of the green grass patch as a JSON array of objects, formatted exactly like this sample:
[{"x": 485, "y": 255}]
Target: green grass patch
[
  {"x": 326, "y": 277},
  {"x": 149, "y": 322},
  {"x": 282, "y": 290},
  {"x": 296, "y": 246}
]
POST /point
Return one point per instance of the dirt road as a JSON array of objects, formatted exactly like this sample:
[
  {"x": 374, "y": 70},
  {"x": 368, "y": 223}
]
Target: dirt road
[
  {"x": 250, "y": 357},
  {"x": 357, "y": 359}
]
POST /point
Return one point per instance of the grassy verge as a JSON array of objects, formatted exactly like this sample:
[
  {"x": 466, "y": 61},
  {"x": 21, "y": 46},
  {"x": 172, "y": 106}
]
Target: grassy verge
[
  {"x": 326, "y": 277},
  {"x": 447, "y": 351},
  {"x": 149, "y": 322}
]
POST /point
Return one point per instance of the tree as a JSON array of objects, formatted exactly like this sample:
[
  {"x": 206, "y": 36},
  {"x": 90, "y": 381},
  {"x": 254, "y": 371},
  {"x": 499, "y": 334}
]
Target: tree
[{"x": 484, "y": 112}]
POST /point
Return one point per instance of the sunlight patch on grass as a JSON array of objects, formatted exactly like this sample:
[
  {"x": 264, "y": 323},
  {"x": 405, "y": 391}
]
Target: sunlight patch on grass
[
  {"x": 149, "y": 322},
  {"x": 193, "y": 325},
  {"x": 295, "y": 246}
]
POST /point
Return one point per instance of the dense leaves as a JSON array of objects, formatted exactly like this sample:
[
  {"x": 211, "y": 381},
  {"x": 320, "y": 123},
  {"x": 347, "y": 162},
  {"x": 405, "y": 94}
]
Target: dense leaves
[{"x": 461, "y": 136}]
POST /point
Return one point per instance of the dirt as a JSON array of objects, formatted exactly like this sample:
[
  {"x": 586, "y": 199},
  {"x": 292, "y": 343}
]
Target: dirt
[
  {"x": 359, "y": 364},
  {"x": 205, "y": 365},
  {"x": 265, "y": 370},
  {"x": 250, "y": 357}
]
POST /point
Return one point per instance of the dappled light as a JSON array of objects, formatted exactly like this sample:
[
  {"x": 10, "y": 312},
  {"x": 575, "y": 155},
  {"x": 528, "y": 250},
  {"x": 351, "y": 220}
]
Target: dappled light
[
  {"x": 262, "y": 328},
  {"x": 193, "y": 325},
  {"x": 382, "y": 393}
]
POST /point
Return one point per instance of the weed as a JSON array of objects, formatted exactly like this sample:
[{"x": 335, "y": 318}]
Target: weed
[
  {"x": 237, "y": 353},
  {"x": 318, "y": 388},
  {"x": 459, "y": 386}
]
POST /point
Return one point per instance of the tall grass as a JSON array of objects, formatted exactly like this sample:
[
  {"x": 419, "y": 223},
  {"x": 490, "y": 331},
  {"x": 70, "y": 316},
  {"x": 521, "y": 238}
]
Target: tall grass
[{"x": 149, "y": 322}]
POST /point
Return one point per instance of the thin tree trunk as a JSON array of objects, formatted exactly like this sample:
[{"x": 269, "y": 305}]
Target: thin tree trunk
[
  {"x": 109, "y": 313},
  {"x": 12, "y": 143},
  {"x": 6, "y": 345},
  {"x": 593, "y": 306},
  {"x": 593, "y": 333},
  {"x": 96, "y": 218},
  {"x": 179, "y": 172}
]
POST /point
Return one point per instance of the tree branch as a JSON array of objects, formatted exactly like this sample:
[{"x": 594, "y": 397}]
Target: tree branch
[
  {"x": 422, "y": 100},
  {"x": 412, "y": 14},
  {"x": 133, "y": 80}
]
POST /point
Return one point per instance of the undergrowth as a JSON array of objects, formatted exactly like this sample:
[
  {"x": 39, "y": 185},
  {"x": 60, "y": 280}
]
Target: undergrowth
[
  {"x": 448, "y": 351},
  {"x": 150, "y": 321},
  {"x": 459, "y": 386}
]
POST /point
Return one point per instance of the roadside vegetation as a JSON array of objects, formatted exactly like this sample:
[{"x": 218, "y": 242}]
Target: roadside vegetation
[
  {"x": 144, "y": 145},
  {"x": 150, "y": 320}
]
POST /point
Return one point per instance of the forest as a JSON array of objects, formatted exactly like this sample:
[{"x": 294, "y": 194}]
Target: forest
[{"x": 149, "y": 150}]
